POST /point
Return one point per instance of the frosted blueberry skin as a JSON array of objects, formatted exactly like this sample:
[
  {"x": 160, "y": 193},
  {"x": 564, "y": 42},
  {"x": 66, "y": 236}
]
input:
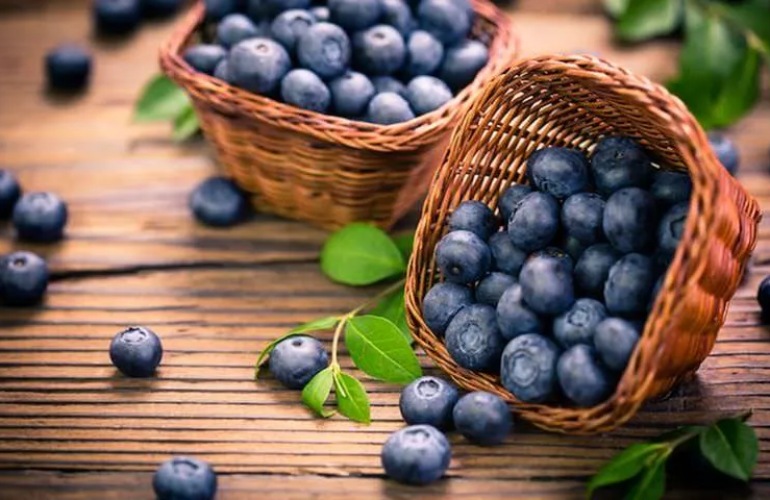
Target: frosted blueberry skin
[
  {"x": 442, "y": 302},
  {"x": 427, "y": 93},
  {"x": 506, "y": 257},
  {"x": 573, "y": 247},
  {"x": 629, "y": 221},
  {"x": 763, "y": 297},
  {"x": 629, "y": 285},
  {"x": 528, "y": 368},
  {"x": 615, "y": 340},
  {"x": 185, "y": 478},
  {"x": 510, "y": 198},
  {"x": 593, "y": 267},
  {"x": 296, "y": 360},
  {"x": 218, "y": 9},
  {"x": 462, "y": 257},
  {"x": 620, "y": 162},
  {"x": 424, "y": 54},
  {"x": 582, "y": 378},
  {"x": 351, "y": 94},
  {"x": 671, "y": 228},
  {"x": 10, "y": 192},
  {"x": 235, "y": 28},
  {"x": 136, "y": 352},
  {"x": 218, "y": 202},
  {"x": 483, "y": 418},
  {"x": 275, "y": 7},
  {"x": 474, "y": 216},
  {"x": 384, "y": 84},
  {"x": 222, "y": 71},
  {"x": 670, "y": 187},
  {"x": 205, "y": 57},
  {"x": 473, "y": 338},
  {"x": 577, "y": 325},
  {"x": 388, "y": 108},
  {"x": 547, "y": 284},
  {"x": 23, "y": 279},
  {"x": 491, "y": 288},
  {"x": 355, "y": 15},
  {"x": 429, "y": 400},
  {"x": 581, "y": 217},
  {"x": 560, "y": 172},
  {"x": 289, "y": 25},
  {"x": 116, "y": 17},
  {"x": 325, "y": 49},
  {"x": 302, "y": 88},
  {"x": 379, "y": 50},
  {"x": 398, "y": 14},
  {"x": 321, "y": 13},
  {"x": 726, "y": 151},
  {"x": 462, "y": 62},
  {"x": 40, "y": 217},
  {"x": 258, "y": 65},
  {"x": 418, "y": 455},
  {"x": 534, "y": 222},
  {"x": 68, "y": 68},
  {"x": 514, "y": 318},
  {"x": 447, "y": 20}
]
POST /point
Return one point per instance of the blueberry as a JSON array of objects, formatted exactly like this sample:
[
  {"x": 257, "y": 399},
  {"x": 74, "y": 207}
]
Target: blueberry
[
  {"x": 351, "y": 94},
  {"x": 490, "y": 289},
  {"x": 289, "y": 25},
  {"x": 355, "y": 15},
  {"x": 442, "y": 302},
  {"x": 671, "y": 228},
  {"x": 474, "y": 216},
  {"x": 629, "y": 285},
  {"x": 398, "y": 14},
  {"x": 418, "y": 454},
  {"x": 620, "y": 162},
  {"x": 514, "y": 318},
  {"x": 593, "y": 267},
  {"x": 379, "y": 50},
  {"x": 462, "y": 63},
  {"x": 573, "y": 247},
  {"x": 577, "y": 325},
  {"x": 726, "y": 152},
  {"x": 275, "y": 7},
  {"x": 235, "y": 28},
  {"x": 444, "y": 19},
  {"x": 325, "y": 49},
  {"x": 581, "y": 216},
  {"x": 429, "y": 400},
  {"x": 388, "y": 108},
  {"x": 10, "y": 192},
  {"x": 40, "y": 217},
  {"x": 321, "y": 13},
  {"x": 218, "y": 202},
  {"x": 296, "y": 360},
  {"x": 546, "y": 284},
  {"x": 534, "y": 222},
  {"x": 561, "y": 172},
  {"x": 136, "y": 352},
  {"x": 483, "y": 418},
  {"x": 582, "y": 378},
  {"x": 218, "y": 9},
  {"x": 68, "y": 67},
  {"x": 205, "y": 57},
  {"x": 510, "y": 198},
  {"x": 258, "y": 65},
  {"x": 160, "y": 8},
  {"x": 463, "y": 257},
  {"x": 763, "y": 297},
  {"x": 615, "y": 340},
  {"x": 23, "y": 279},
  {"x": 528, "y": 368},
  {"x": 556, "y": 253},
  {"x": 223, "y": 71},
  {"x": 670, "y": 187},
  {"x": 303, "y": 88},
  {"x": 505, "y": 256},
  {"x": 629, "y": 221},
  {"x": 424, "y": 54},
  {"x": 116, "y": 17},
  {"x": 384, "y": 84},
  {"x": 473, "y": 338},
  {"x": 185, "y": 478},
  {"x": 427, "y": 93}
]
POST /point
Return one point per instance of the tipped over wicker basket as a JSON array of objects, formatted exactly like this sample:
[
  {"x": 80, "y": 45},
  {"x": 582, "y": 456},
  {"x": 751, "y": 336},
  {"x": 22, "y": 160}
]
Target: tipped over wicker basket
[
  {"x": 324, "y": 169},
  {"x": 573, "y": 101}
]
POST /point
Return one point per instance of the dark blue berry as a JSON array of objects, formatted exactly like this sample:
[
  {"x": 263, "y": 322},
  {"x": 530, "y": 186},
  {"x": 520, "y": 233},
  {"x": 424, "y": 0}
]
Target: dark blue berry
[
  {"x": 398, "y": 14},
  {"x": 726, "y": 152},
  {"x": 429, "y": 400},
  {"x": 388, "y": 108},
  {"x": 670, "y": 187},
  {"x": 418, "y": 454},
  {"x": 258, "y": 65},
  {"x": 546, "y": 283},
  {"x": 205, "y": 57},
  {"x": 10, "y": 192},
  {"x": 581, "y": 217},
  {"x": 506, "y": 257},
  {"x": 223, "y": 71},
  {"x": 325, "y": 49},
  {"x": 671, "y": 228},
  {"x": 763, "y": 297},
  {"x": 462, "y": 63},
  {"x": 629, "y": 285},
  {"x": 473, "y": 338},
  {"x": 573, "y": 247},
  {"x": 514, "y": 318},
  {"x": 23, "y": 279},
  {"x": 582, "y": 378},
  {"x": 620, "y": 162},
  {"x": 474, "y": 216},
  {"x": 615, "y": 340},
  {"x": 351, "y": 94},
  {"x": 384, "y": 84},
  {"x": 379, "y": 50},
  {"x": 630, "y": 219},
  {"x": 355, "y": 15},
  {"x": 302, "y": 88},
  {"x": 160, "y": 8},
  {"x": 424, "y": 53},
  {"x": 68, "y": 67},
  {"x": 289, "y": 25},
  {"x": 510, "y": 198},
  {"x": 483, "y": 418},
  {"x": 218, "y": 9},
  {"x": 40, "y": 217},
  {"x": 185, "y": 478},
  {"x": 463, "y": 257},
  {"x": 593, "y": 267},
  {"x": 321, "y": 13},
  {"x": 235, "y": 28},
  {"x": 534, "y": 222},
  {"x": 490, "y": 289},
  {"x": 561, "y": 172},
  {"x": 528, "y": 368},
  {"x": 116, "y": 17},
  {"x": 218, "y": 202},
  {"x": 442, "y": 302},
  {"x": 275, "y": 7},
  {"x": 444, "y": 19},
  {"x": 427, "y": 93},
  {"x": 296, "y": 360},
  {"x": 136, "y": 352},
  {"x": 577, "y": 325}
]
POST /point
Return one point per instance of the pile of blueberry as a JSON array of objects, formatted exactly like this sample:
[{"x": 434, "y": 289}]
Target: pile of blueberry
[
  {"x": 554, "y": 292},
  {"x": 382, "y": 61}
]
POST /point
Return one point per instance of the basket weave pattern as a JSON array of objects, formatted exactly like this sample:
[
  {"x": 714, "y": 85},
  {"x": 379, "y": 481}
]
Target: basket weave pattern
[
  {"x": 324, "y": 169},
  {"x": 574, "y": 101}
]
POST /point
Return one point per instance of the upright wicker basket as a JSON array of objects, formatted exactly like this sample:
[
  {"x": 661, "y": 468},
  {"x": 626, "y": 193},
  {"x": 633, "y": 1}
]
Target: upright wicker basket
[
  {"x": 573, "y": 101},
  {"x": 323, "y": 169}
]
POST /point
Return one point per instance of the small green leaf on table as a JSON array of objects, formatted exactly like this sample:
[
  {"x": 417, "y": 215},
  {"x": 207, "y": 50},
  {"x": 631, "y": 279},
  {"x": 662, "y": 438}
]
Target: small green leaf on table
[
  {"x": 643, "y": 19},
  {"x": 311, "y": 326},
  {"x": 392, "y": 307},
  {"x": 161, "y": 100},
  {"x": 651, "y": 484},
  {"x": 379, "y": 349},
  {"x": 361, "y": 254},
  {"x": 731, "y": 447},
  {"x": 186, "y": 124},
  {"x": 352, "y": 400},
  {"x": 316, "y": 392},
  {"x": 625, "y": 465}
]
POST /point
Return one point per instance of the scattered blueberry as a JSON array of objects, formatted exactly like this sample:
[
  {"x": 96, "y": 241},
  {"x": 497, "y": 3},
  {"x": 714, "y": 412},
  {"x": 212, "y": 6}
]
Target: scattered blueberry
[
  {"x": 593, "y": 267},
  {"x": 40, "y": 217},
  {"x": 629, "y": 285},
  {"x": 302, "y": 88},
  {"x": 577, "y": 325},
  {"x": 581, "y": 217},
  {"x": 10, "y": 192},
  {"x": 473, "y": 338},
  {"x": 671, "y": 228},
  {"x": 185, "y": 478},
  {"x": 116, "y": 17},
  {"x": 725, "y": 150},
  {"x": 463, "y": 62},
  {"x": 561, "y": 172},
  {"x": 379, "y": 50},
  {"x": 670, "y": 187},
  {"x": 546, "y": 283},
  {"x": 528, "y": 368},
  {"x": 442, "y": 302},
  {"x": 296, "y": 360},
  {"x": 218, "y": 9},
  {"x": 388, "y": 108},
  {"x": 218, "y": 202},
  {"x": 205, "y": 57},
  {"x": 258, "y": 65},
  {"x": 68, "y": 67},
  {"x": 429, "y": 400},
  {"x": 324, "y": 48},
  {"x": 427, "y": 93},
  {"x": 510, "y": 198},
  {"x": 615, "y": 340},
  {"x": 620, "y": 162},
  {"x": 351, "y": 94},
  {"x": 321, "y": 13},
  {"x": 355, "y": 15},
  {"x": 505, "y": 256},
  {"x": 763, "y": 297},
  {"x": 136, "y": 352},
  {"x": 630, "y": 218},
  {"x": 424, "y": 53},
  {"x": 235, "y": 28},
  {"x": 444, "y": 19},
  {"x": 534, "y": 222},
  {"x": 514, "y": 318},
  {"x": 483, "y": 418},
  {"x": 474, "y": 216},
  {"x": 384, "y": 84},
  {"x": 160, "y": 8},
  {"x": 398, "y": 14},
  {"x": 418, "y": 454},
  {"x": 582, "y": 378},
  {"x": 463, "y": 257},
  {"x": 23, "y": 279},
  {"x": 491, "y": 288},
  {"x": 289, "y": 25}
]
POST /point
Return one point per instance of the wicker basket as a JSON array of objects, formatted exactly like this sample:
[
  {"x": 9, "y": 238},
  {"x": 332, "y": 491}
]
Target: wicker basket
[
  {"x": 323, "y": 169},
  {"x": 573, "y": 101}
]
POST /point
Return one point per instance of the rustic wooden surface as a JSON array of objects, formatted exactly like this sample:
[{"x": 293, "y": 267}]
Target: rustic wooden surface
[{"x": 71, "y": 428}]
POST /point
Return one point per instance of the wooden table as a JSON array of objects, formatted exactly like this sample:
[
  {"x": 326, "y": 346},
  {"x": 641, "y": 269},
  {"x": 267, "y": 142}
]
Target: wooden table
[{"x": 71, "y": 428}]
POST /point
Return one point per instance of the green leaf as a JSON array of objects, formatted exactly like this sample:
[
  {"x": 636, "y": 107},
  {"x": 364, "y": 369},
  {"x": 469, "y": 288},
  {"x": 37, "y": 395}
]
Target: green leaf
[
  {"x": 752, "y": 16},
  {"x": 393, "y": 308},
  {"x": 652, "y": 483},
  {"x": 405, "y": 243},
  {"x": 625, "y": 465},
  {"x": 352, "y": 400},
  {"x": 615, "y": 8},
  {"x": 361, "y": 254},
  {"x": 161, "y": 100},
  {"x": 740, "y": 90},
  {"x": 310, "y": 326},
  {"x": 186, "y": 124},
  {"x": 316, "y": 392},
  {"x": 644, "y": 19},
  {"x": 731, "y": 446},
  {"x": 380, "y": 350}
]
